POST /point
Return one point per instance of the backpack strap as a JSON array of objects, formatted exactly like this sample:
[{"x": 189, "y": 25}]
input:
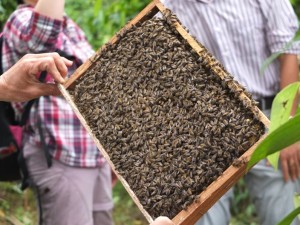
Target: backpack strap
[
  {"x": 39, "y": 126},
  {"x": 26, "y": 182}
]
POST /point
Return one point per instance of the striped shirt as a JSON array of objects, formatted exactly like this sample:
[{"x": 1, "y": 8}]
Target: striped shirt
[
  {"x": 27, "y": 31},
  {"x": 241, "y": 35}
]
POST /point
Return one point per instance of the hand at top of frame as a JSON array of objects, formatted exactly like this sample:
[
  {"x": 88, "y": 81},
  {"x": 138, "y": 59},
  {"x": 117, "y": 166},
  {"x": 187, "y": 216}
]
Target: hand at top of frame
[
  {"x": 162, "y": 220},
  {"x": 20, "y": 82}
]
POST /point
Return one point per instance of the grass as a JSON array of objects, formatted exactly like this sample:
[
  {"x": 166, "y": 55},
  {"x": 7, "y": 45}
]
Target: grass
[
  {"x": 126, "y": 211},
  {"x": 18, "y": 208}
]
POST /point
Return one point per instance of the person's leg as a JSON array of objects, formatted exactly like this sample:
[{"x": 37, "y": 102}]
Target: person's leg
[
  {"x": 103, "y": 204},
  {"x": 103, "y": 217},
  {"x": 272, "y": 197},
  {"x": 65, "y": 193},
  {"x": 219, "y": 213}
]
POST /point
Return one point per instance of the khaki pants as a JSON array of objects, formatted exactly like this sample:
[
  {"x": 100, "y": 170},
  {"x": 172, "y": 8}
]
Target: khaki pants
[{"x": 69, "y": 195}]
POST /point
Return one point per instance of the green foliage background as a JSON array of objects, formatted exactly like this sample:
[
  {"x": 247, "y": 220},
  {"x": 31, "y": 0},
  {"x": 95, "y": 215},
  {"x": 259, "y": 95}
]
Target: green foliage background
[
  {"x": 6, "y": 7},
  {"x": 101, "y": 19},
  {"x": 296, "y": 5}
]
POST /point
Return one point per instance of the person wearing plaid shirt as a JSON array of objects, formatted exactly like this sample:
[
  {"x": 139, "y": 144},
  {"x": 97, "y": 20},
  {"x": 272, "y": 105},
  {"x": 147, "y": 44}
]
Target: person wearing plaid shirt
[{"x": 76, "y": 189}]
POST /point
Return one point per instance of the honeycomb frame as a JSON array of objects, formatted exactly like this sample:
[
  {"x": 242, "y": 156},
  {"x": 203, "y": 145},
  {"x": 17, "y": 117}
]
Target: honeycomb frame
[{"x": 224, "y": 182}]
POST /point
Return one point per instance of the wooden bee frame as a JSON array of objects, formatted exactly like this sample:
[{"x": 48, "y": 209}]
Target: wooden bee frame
[{"x": 223, "y": 183}]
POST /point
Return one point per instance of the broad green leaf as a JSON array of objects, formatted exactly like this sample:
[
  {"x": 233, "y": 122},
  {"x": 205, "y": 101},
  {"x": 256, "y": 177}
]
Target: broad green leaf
[
  {"x": 280, "y": 113},
  {"x": 289, "y": 218},
  {"x": 282, "y": 105},
  {"x": 298, "y": 110},
  {"x": 285, "y": 135},
  {"x": 273, "y": 159},
  {"x": 297, "y": 202}
]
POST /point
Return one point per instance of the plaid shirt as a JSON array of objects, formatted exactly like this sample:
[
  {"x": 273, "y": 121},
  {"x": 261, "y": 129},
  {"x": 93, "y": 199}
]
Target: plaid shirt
[{"x": 27, "y": 31}]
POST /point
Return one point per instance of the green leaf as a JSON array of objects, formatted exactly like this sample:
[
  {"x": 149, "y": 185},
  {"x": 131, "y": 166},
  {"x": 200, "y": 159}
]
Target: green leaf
[
  {"x": 97, "y": 7},
  {"x": 273, "y": 159},
  {"x": 271, "y": 58},
  {"x": 289, "y": 218},
  {"x": 297, "y": 38},
  {"x": 285, "y": 135},
  {"x": 297, "y": 202},
  {"x": 280, "y": 113},
  {"x": 282, "y": 105}
]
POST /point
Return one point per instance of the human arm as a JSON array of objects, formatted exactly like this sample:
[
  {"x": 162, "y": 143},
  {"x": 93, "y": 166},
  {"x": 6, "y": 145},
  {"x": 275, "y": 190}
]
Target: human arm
[
  {"x": 20, "y": 82},
  {"x": 281, "y": 27},
  {"x": 289, "y": 70},
  {"x": 53, "y": 9},
  {"x": 29, "y": 31},
  {"x": 290, "y": 156},
  {"x": 162, "y": 220}
]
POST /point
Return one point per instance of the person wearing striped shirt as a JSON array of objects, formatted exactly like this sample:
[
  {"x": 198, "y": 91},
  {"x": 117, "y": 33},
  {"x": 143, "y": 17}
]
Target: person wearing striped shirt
[
  {"x": 241, "y": 35},
  {"x": 77, "y": 187}
]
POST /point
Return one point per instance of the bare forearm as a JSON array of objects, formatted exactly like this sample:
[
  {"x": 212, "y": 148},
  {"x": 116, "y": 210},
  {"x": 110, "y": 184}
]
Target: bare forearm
[
  {"x": 289, "y": 69},
  {"x": 4, "y": 91},
  {"x": 51, "y": 8},
  {"x": 289, "y": 72},
  {"x": 290, "y": 157}
]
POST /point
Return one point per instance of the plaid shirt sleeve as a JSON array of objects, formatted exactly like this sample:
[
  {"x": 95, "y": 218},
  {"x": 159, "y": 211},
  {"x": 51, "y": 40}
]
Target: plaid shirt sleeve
[{"x": 29, "y": 31}]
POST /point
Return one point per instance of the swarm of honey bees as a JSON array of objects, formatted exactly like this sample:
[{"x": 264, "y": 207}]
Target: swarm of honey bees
[{"x": 170, "y": 125}]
